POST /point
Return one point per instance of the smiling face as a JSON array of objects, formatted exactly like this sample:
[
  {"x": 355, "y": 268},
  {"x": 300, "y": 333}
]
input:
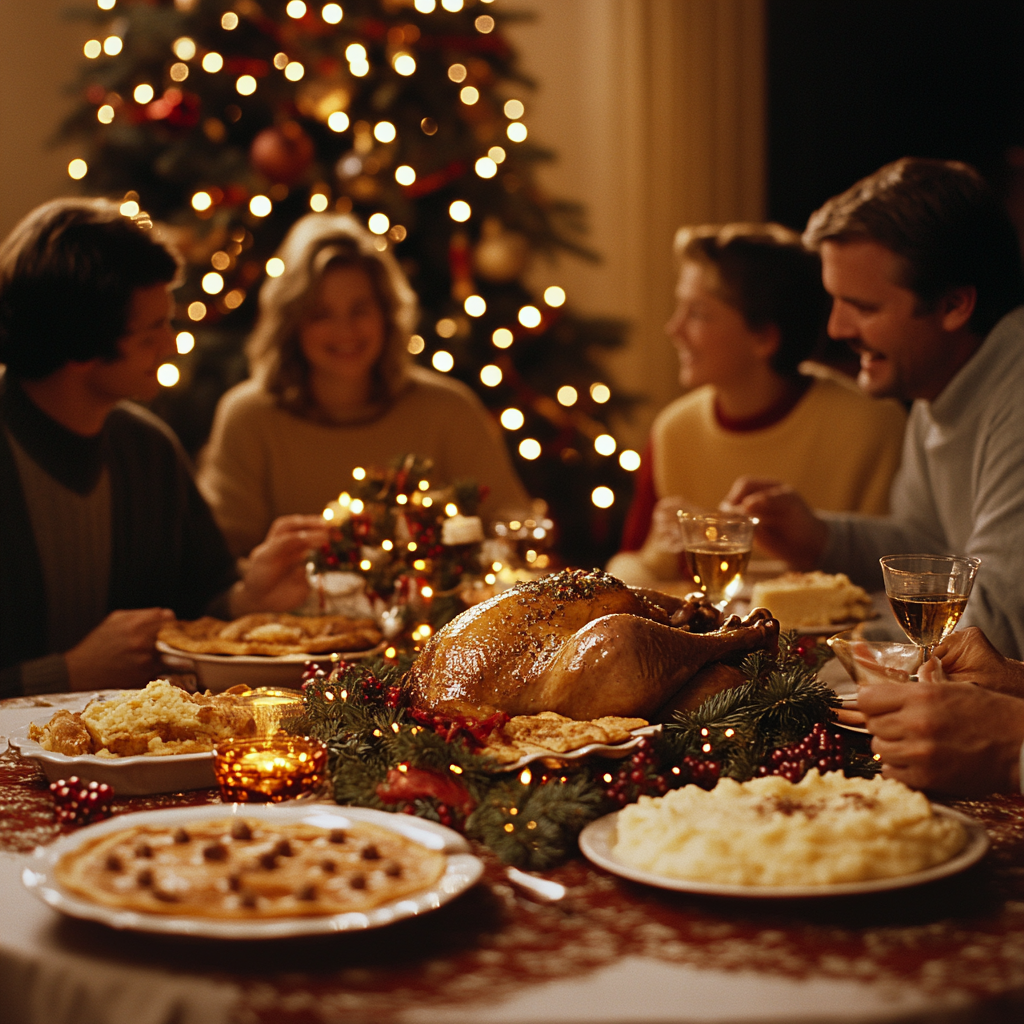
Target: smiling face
[
  {"x": 714, "y": 343},
  {"x": 147, "y": 343},
  {"x": 904, "y": 353},
  {"x": 343, "y": 336}
]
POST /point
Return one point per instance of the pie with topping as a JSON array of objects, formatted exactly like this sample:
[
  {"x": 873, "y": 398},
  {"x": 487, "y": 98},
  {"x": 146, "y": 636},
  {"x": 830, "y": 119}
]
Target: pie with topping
[
  {"x": 272, "y": 634},
  {"x": 238, "y": 868},
  {"x": 551, "y": 733}
]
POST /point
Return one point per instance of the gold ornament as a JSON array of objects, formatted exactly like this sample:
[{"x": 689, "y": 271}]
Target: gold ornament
[{"x": 500, "y": 255}]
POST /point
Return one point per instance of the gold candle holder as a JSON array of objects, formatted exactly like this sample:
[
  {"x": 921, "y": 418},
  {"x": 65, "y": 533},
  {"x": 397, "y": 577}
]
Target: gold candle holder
[
  {"x": 270, "y": 704},
  {"x": 269, "y": 768}
]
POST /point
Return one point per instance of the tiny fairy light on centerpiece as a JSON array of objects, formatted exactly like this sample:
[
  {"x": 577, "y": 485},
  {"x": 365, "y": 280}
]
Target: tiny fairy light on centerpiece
[{"x": 269, "y": 768}]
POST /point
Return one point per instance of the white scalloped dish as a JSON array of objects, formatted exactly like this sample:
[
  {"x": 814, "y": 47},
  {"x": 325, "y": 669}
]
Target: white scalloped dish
[
  {"x": 143, "y": 775},
  {"x": 462, "y": 871}
]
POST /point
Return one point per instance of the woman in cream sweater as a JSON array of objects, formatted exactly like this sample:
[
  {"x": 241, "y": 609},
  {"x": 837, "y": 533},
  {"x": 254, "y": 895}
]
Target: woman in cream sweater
[
  {"x": 750, "y": 310},
  {"x": 332, "y": 388}
]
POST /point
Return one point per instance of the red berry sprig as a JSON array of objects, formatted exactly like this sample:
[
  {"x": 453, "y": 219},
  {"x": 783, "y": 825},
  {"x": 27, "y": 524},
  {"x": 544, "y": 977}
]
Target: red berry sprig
[
  {"x": 822, "y": 748},
  {"x": 642, "y": 775},
  {"x": 78, "y": 802}
]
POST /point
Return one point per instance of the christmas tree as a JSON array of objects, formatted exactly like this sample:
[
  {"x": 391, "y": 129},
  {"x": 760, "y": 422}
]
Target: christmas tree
[{"x": 230, "y": 119}]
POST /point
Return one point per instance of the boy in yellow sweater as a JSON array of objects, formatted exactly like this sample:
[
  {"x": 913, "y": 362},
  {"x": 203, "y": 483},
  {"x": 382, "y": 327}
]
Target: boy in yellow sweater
[{"x": 750, "y": 310}]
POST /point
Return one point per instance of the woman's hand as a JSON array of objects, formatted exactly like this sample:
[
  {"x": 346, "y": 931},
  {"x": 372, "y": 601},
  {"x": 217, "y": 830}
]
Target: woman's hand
[
  {"x": 274, "y": 578},
  {"x": 787, "y": 528}
]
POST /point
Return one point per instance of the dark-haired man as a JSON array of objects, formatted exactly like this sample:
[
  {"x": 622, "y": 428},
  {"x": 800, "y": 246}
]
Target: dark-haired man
[
  {"x": 924, "y": 271},
  {"x": 103, "y": 535}
]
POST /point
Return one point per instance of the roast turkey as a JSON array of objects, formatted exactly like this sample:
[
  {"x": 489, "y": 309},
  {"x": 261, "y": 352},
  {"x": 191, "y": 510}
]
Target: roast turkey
[{"x": 582, "y": 644}]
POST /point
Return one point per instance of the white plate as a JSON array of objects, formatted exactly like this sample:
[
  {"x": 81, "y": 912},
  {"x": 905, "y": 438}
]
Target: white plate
[
  {"x": 462, "y": 871},
  {"x": 599, "y": 749},
  {"x": 219, "y": 672},
  {"x": 598, "y": 838}
]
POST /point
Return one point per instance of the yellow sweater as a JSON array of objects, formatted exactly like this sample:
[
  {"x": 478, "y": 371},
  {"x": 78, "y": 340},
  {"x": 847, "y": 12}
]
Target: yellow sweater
[
  {"x": 263, "y": 462},
  {"x": 837, "y": 447}
]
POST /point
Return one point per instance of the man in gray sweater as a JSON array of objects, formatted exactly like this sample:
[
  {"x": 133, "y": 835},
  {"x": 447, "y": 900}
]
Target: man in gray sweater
[
  {"x": 103, "y": 535},
  {"x": 924, "y": 271}
]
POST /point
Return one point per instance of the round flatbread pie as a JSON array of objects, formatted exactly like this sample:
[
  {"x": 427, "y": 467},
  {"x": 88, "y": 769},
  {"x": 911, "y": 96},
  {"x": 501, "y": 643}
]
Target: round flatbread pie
[
  {"x": 240, "y": 868},
  {"x": 272, "y": 634}
]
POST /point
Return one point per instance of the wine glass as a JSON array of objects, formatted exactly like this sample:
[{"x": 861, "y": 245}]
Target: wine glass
[
  {"x": 716, "y": 550},
  {"x": 928, "y": 594}
]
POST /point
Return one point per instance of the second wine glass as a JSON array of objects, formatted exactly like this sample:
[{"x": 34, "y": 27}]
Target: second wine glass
[
  {"x": 716, "y": 548},
  {"x": 928, "y": 594}
]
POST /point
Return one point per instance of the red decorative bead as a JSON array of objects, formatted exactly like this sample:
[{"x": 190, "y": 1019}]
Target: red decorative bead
[{"x": 77, "y": 802}]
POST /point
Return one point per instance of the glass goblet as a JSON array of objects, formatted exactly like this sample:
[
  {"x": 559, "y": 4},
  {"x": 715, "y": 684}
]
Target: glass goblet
[
  {"x": 928, "y": 594},
  {"x": 716, "y": 550}
]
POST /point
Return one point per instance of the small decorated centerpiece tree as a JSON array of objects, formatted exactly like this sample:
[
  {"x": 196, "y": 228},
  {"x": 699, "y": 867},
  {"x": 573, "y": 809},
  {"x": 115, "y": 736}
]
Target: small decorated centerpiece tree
[{"x": 416, "y": 545}]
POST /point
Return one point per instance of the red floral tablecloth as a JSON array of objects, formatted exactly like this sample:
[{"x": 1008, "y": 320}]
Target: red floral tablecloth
[{"x": 959, "y": 942}]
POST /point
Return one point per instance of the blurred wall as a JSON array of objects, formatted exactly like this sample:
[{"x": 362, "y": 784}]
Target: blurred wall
[
  {"x": 655, "y": 109},
  {"x": 39, "y": 53}
]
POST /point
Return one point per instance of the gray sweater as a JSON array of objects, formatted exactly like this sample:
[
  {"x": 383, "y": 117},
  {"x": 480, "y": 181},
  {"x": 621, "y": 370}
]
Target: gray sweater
[{"x": 959, "y": 490}]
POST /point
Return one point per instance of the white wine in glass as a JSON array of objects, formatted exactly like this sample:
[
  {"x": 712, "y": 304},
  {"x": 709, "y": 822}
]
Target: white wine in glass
[
  {"x": 928, "y": 594},
  {"x": 716, "y": 551}
]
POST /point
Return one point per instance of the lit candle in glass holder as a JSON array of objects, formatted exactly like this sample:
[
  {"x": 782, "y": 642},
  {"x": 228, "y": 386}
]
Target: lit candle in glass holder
[
  {"x": 270, "y": 705},
  {"x": 269, "y": 768}
]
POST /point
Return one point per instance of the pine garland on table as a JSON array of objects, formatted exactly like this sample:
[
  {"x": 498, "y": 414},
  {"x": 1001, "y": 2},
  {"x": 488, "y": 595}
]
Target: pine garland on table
[{"x": 387, "y": 755}]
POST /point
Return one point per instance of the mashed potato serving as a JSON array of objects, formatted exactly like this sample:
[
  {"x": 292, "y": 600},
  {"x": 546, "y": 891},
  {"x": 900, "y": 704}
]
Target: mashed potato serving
[{"x": 823, "y": 830}]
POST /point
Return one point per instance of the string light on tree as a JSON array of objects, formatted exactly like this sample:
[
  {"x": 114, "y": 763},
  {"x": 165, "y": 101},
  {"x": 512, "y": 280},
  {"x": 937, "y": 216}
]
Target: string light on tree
[
  {"x": 404, "y": 64},
  {"x": 229, "y": 21},
  {"x": 629, "y": 460},
  {"x": 332, "y": 14},
  {"x": 460, "y": 211},
  {"x": 78, "y": 169},
  {"x": 490, "y": 375},
  {"x": 338, "y": 121},
  {"x": 475, "y": 305},
  {"x": 512, "y": 419},
  {"x": 442, "y": 361},
  {"x": 184, "y": 342},
  {"x": 260, "y": 206},
  {"x": 604, "y": 444},
  {"x": 212, "y": 62},
  {"x": 554, "y": 296},
  {"x": 530, "y": 449},
  {"x": 405, "y": 175},
  {"x": 603, "y": 497},
  {"x": 567, "y": 395},
  {"x": 168, "y": 375},
  {"x": 378, "y": 223},
  {"x": 502, "y": 338},
  {"x": 529, "y": 316},
  {"x": 600, "y": 393}
]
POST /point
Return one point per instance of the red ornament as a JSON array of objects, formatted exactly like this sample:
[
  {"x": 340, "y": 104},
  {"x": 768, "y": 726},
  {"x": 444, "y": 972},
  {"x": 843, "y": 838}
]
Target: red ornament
[
  {"x": 406, "y": 786},
  {"x": 78, "y": 802},
  {"x": 282, "y": 153}
]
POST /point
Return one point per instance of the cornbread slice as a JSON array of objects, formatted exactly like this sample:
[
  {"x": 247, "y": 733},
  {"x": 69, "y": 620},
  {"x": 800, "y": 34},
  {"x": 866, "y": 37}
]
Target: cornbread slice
[{"x": 801, "y": 599}]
